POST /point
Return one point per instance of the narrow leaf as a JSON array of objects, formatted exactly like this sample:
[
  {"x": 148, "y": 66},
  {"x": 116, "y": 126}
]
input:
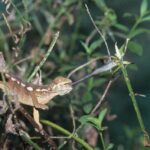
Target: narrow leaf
[
  {"x": 144, "y": 6},
  {"x": 117, "y": 51},
  {"x": 137, "y": 32},
  {"x": 135, "y": 48},
  {"x": 86, "y": 48},
  {"x": 101, "y": 116},
  {"x": 147, "y": 18},
  {"x": 96, "y": 44},
  {"x": 121, "y": 27},
  {"x": 110, "y": 146},
  {"x": 89, "y": 119}
]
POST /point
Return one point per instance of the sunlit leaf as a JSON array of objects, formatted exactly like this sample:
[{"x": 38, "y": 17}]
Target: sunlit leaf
[
  {"x": 118, "y": 53},
  {"x": 147, "y": 18},
  {"x": 144, "y": 6},
  {"x": 101, "y": 116},
  {"x": 101, "y": 4},
  {"x": 89, "y": 119},
  {"x": 87, "y": 49},
  {"x": 110, "y": 146}
]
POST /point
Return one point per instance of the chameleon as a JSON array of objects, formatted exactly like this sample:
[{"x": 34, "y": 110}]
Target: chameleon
[{"x": 34, "y": 95}]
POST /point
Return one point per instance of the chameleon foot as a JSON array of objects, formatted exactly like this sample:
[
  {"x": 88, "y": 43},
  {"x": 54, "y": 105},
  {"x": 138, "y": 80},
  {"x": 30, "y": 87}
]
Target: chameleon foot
[{"x": 41, "y": 106}]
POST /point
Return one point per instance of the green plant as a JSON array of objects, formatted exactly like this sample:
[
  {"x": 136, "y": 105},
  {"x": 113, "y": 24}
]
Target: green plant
[{"x": 31, "y": 45}]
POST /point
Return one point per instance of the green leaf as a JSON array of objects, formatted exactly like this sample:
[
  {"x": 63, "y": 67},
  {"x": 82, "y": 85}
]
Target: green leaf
[
  {"x": 89, "y": 119},
  {"x": 135, "y": 48},
  {"x": 137, "y": 32},
  {"x": 90, "y": 84},
  {"x": 144, "y": 6},
  {"x": 87, "y": 108},
  {"x": 147, "y": 18},
  {"x": 121, "y": 27},
  {"x": 95, "y": 45},
  {"x": 110, "y": 146},
  {"x": 101, "y": 4},
  {"x": 97, "y": 122},
  {"x": 101, "y": 116},
  {"x": 87, "y": 49}
]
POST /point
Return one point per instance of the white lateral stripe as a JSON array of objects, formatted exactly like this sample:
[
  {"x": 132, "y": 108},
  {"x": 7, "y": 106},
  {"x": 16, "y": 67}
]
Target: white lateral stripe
[
  {"x": 38, "y": 90},
  {"x": 44, "y": 90},
  {"x": 23, "y": 85},
  {"x": 13, "y": 79},
  {"x": 29, "y": 88},
  {"x": 7, "y": 75}
]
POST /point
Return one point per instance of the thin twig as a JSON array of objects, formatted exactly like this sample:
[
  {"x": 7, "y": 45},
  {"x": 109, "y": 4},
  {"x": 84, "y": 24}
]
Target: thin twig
[
  {"x": 100, "y": 33},
  {"x": 46, "y": 56},
  {"x": 103, "y": 97},
  {"x": 14, "y": 36},
  {"x": 73, "y": 123},
  {"x": 104, "y": 94},
  {"x": 81, "y": 67},
  {"x": 90, "y": 37},
  {"x": 22, "y": 60},
  {"x": 73, "y": 119}
]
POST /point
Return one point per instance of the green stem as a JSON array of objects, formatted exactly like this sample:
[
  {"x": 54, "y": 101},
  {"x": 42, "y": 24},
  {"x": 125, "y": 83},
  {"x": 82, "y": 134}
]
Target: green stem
[
  {"x": 64, "y": 131},
  {"x": 102, "y": 140},
  {"x": 46, "y": 56},
  {"x": 130, "y": 89},
  {"x": 133, "y": 28},
  {"x": 29, "y": 141}
]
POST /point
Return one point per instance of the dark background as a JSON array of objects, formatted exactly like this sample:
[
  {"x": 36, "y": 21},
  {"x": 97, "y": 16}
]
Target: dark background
[{"x": 124, "y": 131}]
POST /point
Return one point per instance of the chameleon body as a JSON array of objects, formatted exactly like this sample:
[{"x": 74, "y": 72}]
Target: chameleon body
[{"x": 33, "y": 95}]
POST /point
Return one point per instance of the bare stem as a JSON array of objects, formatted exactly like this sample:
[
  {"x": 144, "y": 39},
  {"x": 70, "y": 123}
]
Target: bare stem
[
  {"x": 46, "y": 56},
  {"x": 64, "y": 131},
  {"x": 131, "y": 93}
]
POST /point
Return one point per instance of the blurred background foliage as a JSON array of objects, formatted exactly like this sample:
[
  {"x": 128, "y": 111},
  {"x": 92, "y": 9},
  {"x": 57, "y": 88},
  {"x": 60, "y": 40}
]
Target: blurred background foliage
[{"x": 27, "y": 29}]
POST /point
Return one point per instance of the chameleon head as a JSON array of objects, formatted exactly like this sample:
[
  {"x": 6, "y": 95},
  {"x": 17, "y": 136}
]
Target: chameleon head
[{"x": 61, "y": 85}]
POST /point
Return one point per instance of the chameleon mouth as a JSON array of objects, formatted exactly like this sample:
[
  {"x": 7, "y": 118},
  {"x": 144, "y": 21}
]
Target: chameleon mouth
[{"x": 65, "y": 90}]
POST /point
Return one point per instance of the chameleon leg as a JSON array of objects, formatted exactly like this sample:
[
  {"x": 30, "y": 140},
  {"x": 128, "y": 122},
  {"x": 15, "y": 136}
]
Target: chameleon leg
[
  {"x": 36, "y": 117},
  {"x": 36, "y": 103},
  {"x": 2, "y": 86}
]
